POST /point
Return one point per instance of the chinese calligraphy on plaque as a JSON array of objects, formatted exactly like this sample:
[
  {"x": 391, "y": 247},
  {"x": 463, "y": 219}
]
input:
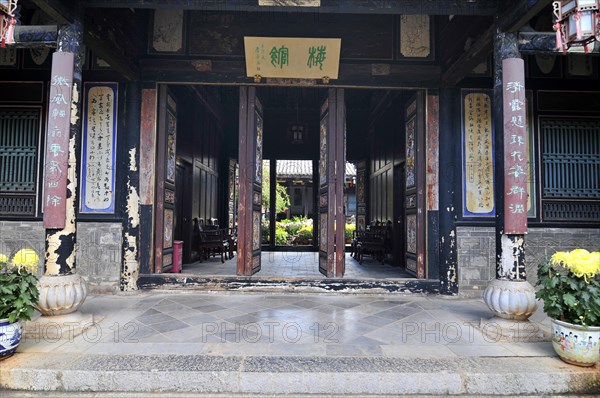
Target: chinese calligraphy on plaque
[
  {"x": 285, "y": 57},
  {"x": 57, "y": 140},
  {"x": 515, "y": 146},
  {"x": 478, "y": 155},
  {"x": 99, "y": 148}
]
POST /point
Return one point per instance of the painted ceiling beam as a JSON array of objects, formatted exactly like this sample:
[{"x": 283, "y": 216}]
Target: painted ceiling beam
[
  {"x": 430, "y": 7},
  {"x": 35, "y": 36},
  {"x": 514, "y": 17}
]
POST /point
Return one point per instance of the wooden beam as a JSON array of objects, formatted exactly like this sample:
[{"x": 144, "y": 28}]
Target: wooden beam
[
  {"x": 414, "y": 7},
  {"x": 57, "y": 10},
  {"x": 103, "y": 35},
  {"x": 234, "y": 72},
  {"x": 516, "y": 15},
  {"x": 119, "y": 63},
  {"x": 476, "y": 54}
]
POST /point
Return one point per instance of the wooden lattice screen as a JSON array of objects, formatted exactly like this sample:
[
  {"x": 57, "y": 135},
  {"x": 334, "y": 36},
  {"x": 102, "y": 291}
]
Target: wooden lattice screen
[
  {"x": 19, "y": 132},
  {"x": 571, "y": 169}
]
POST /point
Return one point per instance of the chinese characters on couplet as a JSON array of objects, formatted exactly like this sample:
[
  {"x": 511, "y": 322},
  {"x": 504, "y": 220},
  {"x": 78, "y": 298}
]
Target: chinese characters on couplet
[
  {"x": 99, "y": 143},
  {"x": 57, "y": 140},
  {"x": 478, "y": 152},
  {"x": 515, "y": 156}
]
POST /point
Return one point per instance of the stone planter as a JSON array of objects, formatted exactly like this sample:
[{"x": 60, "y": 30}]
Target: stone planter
[
  {"x": 10, "y": 337},
  {"x": 60, "y": 295},
  {"x": 576, "y": 344}
]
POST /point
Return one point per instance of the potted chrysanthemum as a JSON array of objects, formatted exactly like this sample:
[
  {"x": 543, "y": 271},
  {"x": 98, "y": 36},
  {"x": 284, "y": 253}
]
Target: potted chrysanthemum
[
  {"x": 570, "y": 288},
  {"x": 18, "y": 296}
]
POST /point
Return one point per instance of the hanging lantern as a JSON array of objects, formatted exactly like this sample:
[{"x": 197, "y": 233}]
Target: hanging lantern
[
  {"x": 296, "y": 134},
  {"x": 576, "y": 23},
  {"x": 7, "y": 21}
]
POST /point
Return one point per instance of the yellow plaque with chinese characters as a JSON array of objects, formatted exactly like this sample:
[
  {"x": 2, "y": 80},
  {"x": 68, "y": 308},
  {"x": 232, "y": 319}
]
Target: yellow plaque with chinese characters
[{"x": 288, "y": 57}]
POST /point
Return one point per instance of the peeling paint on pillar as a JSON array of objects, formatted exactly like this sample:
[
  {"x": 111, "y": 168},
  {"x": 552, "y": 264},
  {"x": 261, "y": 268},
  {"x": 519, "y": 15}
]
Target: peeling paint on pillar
[
  {"x": 132, "y": 164},
  {"x": 131, "y": 204},
  {"x": 512, "y": 260},
  {"x": 451, "y": 277},
  {"x": 131, "y": 265},
  {"x": 130, "y": 274},
  {"x": 60, "y": 244},
  {"x": 74, "y": 105}
]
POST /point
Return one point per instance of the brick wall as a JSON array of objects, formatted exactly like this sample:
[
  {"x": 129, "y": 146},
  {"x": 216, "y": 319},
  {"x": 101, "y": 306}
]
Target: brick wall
[
  {"x": 17, "y": 235},
  {"x": 99, "y": 255},
  {"x": 98, "y": 249},
  {"x": 477, "y": 252}
]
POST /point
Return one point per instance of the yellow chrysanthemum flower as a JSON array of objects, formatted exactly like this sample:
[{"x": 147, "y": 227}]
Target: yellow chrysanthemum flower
[
  {"x": 3, "y": 258},
  {"x": 560, "y": 258},
  {"x": 580, "y": 262},
  {"x": 595, "y": 259},
  {"x": 26, "y": 259}
]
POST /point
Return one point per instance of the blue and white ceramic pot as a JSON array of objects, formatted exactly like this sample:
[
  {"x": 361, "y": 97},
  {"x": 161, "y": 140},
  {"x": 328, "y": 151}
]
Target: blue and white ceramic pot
[
  {"x": 576, "y": 344},
  {"x": 10, "y": 337}
]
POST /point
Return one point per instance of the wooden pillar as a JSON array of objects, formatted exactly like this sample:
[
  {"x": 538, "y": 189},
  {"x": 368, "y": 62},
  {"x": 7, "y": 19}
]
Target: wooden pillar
[
  {"x": 511, "y": 163},
  {"x": 509, "y": 296},
  {"x": 147, "y": 176},
  {"x": 61, "y": 225},
  {"x": 62, "y": 291},
  {"x": 450, "y": 170},
  {"x": 131, "y": 199}
]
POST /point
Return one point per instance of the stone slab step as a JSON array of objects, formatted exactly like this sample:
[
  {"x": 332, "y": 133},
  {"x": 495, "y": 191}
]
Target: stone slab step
[{"x": 279, "y": 375}]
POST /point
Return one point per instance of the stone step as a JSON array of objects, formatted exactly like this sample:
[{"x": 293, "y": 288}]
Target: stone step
[{"x": 279, "y": 375}]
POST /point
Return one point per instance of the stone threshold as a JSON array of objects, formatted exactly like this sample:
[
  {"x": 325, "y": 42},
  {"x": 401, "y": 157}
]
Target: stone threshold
[{"x": 299, "y": 285}]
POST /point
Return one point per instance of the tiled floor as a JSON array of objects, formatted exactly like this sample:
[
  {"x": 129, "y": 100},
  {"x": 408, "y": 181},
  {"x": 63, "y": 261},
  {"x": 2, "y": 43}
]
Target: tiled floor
[
  {"x": 284, "y": 264},
  {"x": 221, "y": 323}
]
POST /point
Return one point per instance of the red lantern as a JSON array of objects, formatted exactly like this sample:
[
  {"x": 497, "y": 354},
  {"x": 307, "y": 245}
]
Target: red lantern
[
  {"x": 7, "y": 21},
  {"x": 576, "y": 23}
]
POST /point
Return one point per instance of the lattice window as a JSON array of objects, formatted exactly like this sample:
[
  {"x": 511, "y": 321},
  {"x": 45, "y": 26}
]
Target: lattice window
[
  {"x": 19, "y": 132},
  {"x": 571, "y": 158},
  {"x": 571, "y": 211}
]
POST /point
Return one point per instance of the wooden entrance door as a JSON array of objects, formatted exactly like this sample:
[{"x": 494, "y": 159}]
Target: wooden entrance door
[
  {"x": 332, "y": 165},
  {"x": 183, "y": 208},
  {"x": 165, "y": 181},
  {"x": 250, "y": 195},
  {"x": 399, "y": 216},
  {"x": 414, "y": 218}
]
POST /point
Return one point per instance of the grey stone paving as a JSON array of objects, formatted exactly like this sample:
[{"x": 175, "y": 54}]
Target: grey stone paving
[
  {"x": 292, "y": 324},
  {"x": 297, "y": 265},
  {"x": 246, "y": 343}
]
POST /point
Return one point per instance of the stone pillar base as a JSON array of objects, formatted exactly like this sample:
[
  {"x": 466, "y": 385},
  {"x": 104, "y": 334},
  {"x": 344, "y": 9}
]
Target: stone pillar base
[
  {"x": 512, "y": 331},
  {"x": 508, "y": 299},
  {"x": 61, "y": 294}
]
